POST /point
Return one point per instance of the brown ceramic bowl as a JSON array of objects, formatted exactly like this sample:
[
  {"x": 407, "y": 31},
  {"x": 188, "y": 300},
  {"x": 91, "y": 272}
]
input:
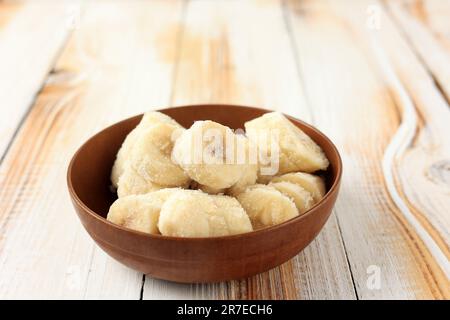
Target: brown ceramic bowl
[{"x": 191, "y": 259}]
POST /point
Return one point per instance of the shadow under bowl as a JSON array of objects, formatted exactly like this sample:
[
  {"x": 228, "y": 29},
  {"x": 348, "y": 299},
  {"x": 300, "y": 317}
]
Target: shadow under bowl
[{"x": 191, "y": 260}]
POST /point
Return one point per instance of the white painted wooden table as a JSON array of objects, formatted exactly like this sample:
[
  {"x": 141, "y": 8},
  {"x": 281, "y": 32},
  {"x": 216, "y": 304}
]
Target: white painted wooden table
[{"x": 373, "y": 75}]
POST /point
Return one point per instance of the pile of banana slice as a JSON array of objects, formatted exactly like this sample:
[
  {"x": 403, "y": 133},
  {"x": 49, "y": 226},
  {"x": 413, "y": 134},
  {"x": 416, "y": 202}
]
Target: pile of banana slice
[{"x": 208, "y": 180}]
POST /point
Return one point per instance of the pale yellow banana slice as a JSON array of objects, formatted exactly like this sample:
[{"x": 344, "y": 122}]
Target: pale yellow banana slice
[
  {"x": 137, "y": 212},
  {"x": 140, "y": 212},
  {"x": 302, "y": 198},
  {"x": 132, "y": 183},
  {"x": 154, "y": 117},
  {"x": 247, "y": 179},
  {"x": 192, "y": 213},
  {"x": 207, "y": 152},
  {"x": 121, "y": 158},
  {"x": 297, "y": 151},
  {"x": 266, "y": 206},
  {"x": 312, "y": 183},
  {"x": 250, "y": 174},
  {"x": 164, "y": 194},
  {"x": 151, "y": 156},
  {"x": 149, "y": 119}
]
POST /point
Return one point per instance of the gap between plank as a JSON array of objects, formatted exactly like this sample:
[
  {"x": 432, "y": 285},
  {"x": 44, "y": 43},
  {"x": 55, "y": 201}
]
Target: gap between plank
[
  {"x": 338, "y": 223},
  {"x": 141, "y": 294},
  {"x": 89, "y": 270}
]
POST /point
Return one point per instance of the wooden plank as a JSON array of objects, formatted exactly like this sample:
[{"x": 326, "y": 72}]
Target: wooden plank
[
  {"x": 118, "y": 62},
  {"x": 427, "y": 32},
  {"x": 422, "y": 168},
  {"x": 7, "y": 12},
  {"x": 240, "y": 52},
  {"x": 419, "y": 150},
  {"x": 427, "y": 26},
  {"x": 371, "y": 80},
  {"x": 26, "y": 57}
]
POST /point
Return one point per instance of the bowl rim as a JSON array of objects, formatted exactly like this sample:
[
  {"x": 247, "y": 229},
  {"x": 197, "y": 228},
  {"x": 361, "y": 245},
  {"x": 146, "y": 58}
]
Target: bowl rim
[{"x": 311, "y": 211}]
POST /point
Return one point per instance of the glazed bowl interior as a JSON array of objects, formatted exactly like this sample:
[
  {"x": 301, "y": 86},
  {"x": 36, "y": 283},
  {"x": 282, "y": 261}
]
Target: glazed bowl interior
[{"x": 90, "y": 170}]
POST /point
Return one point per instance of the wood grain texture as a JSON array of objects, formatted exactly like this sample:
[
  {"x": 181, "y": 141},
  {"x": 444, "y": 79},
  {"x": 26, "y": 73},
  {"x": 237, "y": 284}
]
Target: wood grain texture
[
  {"x": 26, "y": 57},
  {"x": 110, "y": 69},
  {"x": 362, "y": 112},
  {"x": 372, "y": 75},
  {"x": 426, "y": 27},
  {"x": 420, "y": 167},
  {"x": 226, "y": 56},
  {"x": 428, "y": 84}
]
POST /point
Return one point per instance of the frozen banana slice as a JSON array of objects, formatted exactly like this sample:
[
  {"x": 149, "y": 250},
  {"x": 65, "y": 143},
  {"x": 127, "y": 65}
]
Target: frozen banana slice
[
  {"x": 234, "y": 215},
  {"x": 312, "y": 183},
  {"x": 297, "y": 151},
  {"x": 250, "y": 174},
  {"x": 137, "y": 212},
  {"x": 121, "y": 158},
  {"x": 192, "y": 213},
  {"x": 131, "y": 183},
  {"x": 163, "y": 194},
  {"x": 247, "y": 179},
  {"x": 150, "y": 156},
  {"x": 207, "y": 152},
  {"x": 149, "y": 119},
  {"x": 154, "y": 117},
  {"x": 302, "y": 198},
  {"x": 266, "y": 206},
  {"x": 140, "y": 212}
]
